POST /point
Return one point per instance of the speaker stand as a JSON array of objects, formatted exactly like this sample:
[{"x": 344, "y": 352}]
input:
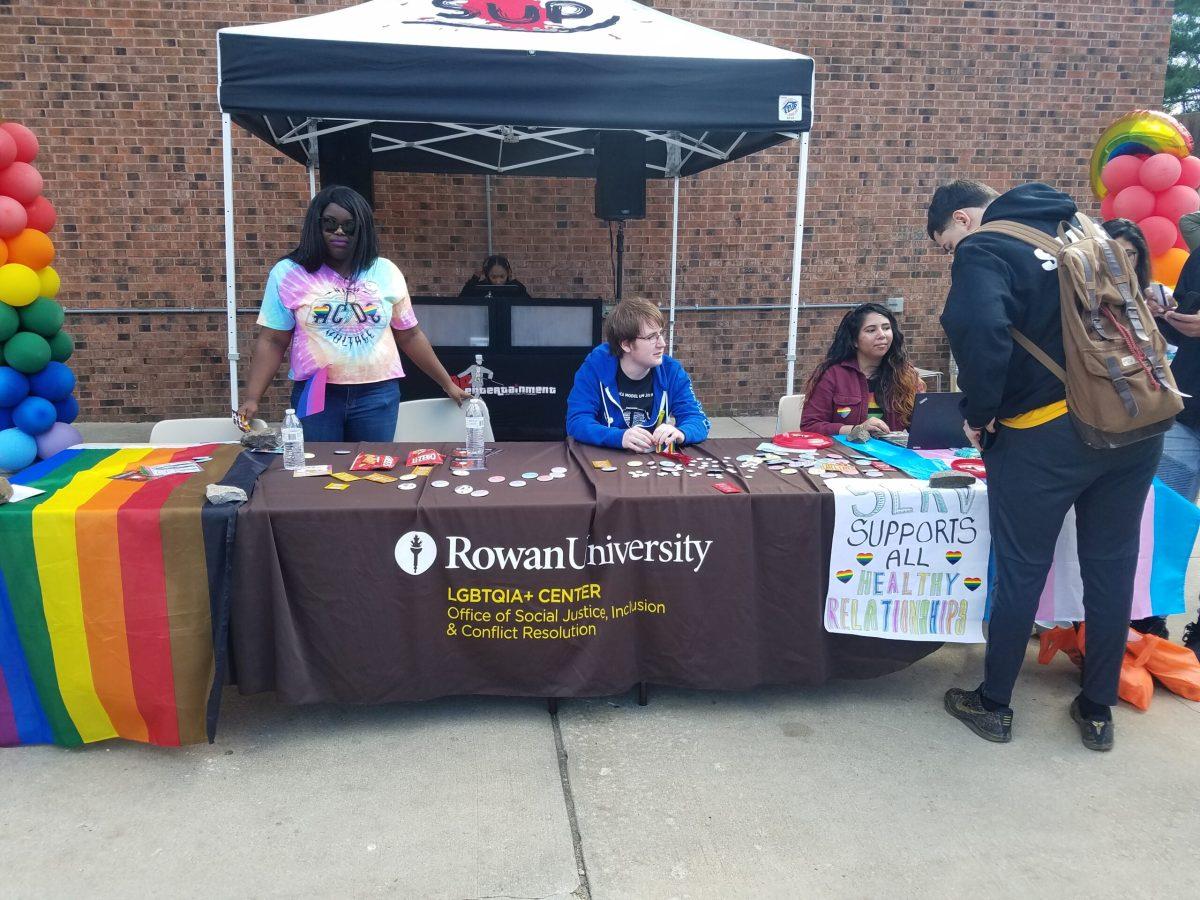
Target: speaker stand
[{"x": 620, "y": 256}]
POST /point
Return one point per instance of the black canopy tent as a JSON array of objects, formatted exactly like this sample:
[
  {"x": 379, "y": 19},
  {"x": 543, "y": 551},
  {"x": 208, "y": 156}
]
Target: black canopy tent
[{"x": 425, "y": 81}]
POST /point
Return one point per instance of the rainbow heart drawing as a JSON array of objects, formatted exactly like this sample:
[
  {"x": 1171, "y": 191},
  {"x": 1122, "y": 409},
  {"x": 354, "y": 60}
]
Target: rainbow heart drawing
[
  {"x": 953, "y": 556},
  {"x": 864, "y": 558},
  {"x": 972, "y": 583},
  {"x": 843, "y": 575}
]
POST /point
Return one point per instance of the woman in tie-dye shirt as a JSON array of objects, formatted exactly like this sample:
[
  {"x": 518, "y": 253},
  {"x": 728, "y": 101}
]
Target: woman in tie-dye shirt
[{"x": 345, "y": 312}]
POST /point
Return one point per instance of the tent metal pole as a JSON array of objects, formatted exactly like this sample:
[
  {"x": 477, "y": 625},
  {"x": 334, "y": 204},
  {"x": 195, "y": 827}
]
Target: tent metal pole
[
  {"x": 487, "y": 195},
  {"x": 797, "y": 252},
  {"x": 230, "y": 264},
  {"x": 312, "y": 181},
  {"x": 674, "y": 268}
]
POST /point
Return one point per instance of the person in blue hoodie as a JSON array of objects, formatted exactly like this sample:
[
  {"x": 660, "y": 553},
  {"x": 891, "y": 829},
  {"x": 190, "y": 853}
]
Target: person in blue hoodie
[
  {"x": 1038, "y": 467},
  {"x": 628, "y": 393}
]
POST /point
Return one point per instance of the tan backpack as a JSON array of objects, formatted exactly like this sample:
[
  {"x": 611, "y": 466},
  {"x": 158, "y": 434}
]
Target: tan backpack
[{"x": 1119, "y": 387}]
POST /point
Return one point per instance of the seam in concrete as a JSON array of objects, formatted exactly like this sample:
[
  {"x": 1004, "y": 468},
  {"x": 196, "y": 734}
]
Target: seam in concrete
[{"x": 584, "y": 891}]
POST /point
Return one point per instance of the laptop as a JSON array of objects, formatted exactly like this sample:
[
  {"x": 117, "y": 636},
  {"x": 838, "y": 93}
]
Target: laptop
[{"x": 937, "y": 423}]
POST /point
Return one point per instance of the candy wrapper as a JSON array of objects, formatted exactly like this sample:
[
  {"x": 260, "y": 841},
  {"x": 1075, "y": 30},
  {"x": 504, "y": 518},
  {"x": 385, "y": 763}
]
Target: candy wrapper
[
  {"x": 424, "y": 457},
  {"x": 365, "y": 462}
]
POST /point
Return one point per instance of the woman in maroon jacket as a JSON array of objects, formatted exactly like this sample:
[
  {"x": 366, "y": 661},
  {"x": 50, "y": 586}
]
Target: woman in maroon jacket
[{"x": 865, "y": 377}]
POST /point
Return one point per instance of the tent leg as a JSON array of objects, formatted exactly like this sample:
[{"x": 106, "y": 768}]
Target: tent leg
[
  {"x": 487, "y": 199},
  {"x": 674, "y": 268},
  {"x": 797, "y": 251},
  {"x": 312, "y": 181},
  {"x": 230, "y": 263}
]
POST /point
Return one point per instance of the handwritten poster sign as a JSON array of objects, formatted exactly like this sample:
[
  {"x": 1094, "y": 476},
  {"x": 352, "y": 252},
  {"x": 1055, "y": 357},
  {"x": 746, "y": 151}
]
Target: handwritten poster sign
[{"x": 909, "y": 562}]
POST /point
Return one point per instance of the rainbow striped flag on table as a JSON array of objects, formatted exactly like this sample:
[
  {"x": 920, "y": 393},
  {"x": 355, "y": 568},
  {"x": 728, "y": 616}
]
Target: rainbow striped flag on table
[{"x": 114, "y": 598}]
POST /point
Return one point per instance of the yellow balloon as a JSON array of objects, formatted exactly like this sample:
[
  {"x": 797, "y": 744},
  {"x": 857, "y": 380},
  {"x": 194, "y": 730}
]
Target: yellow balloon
[
  {"x": 19, "y": 285},
  {"x": 50, "y": 282}
]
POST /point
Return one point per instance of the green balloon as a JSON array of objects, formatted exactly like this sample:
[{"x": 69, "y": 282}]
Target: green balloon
[
  {"x": 62, "y": 345},
  {"x": 43, "y": 316},
  {"x": 27, "y": 352},
  {"x": 10, "y": 322}
]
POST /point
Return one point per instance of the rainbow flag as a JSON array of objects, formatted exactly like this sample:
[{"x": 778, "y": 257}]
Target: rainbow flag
[
  {"x": 114, "y": 598},
  {"x": 312, "y": 395},
  {"x": 1169, "y": 526}
]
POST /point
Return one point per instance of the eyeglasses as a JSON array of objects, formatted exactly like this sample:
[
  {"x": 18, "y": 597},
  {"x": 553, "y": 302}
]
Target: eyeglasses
[
  {"x": 330, "y": 226},
  {"x": 653, "y": 337}
]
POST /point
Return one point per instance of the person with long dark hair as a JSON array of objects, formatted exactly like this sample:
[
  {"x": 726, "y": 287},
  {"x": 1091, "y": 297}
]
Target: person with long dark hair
[
  {"x": 496, "y": 270},
  {"x": 345, "y": 313},
  {"x": 865, "y": 377}
]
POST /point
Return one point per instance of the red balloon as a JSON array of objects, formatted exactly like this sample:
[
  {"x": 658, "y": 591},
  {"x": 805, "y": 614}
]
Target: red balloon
[
  {"x": 1190, "y": 174},
  {"x": 1120, "y": 172},
  {"x": 22, "y": 182},
  {"x": 1159, "y": 172},
  {"x": 1176, "y": 202},
  {"x": 1135, "y": 202},
  {"x": 26, "y": 141},
  {"x": 8, "y": 150},
  {"x": 1182, "y": 244},
  {"x": 41, "y": 215},
  {"x": 1106, "y": 207},
  {"x": 1160, "y": 234},
  {"x": 13, "y": 217}
]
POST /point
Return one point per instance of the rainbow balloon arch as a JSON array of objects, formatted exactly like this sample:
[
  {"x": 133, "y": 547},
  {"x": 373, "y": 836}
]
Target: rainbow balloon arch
[
  {"x": 37, "y": 401},
  {"x": 1142, "y": 170}
]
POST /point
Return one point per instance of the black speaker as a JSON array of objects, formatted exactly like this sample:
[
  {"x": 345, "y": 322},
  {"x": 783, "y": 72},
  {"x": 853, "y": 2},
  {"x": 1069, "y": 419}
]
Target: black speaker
[
  {"x": 345, "y": 158},
  {"x": 620, "y": 175}
]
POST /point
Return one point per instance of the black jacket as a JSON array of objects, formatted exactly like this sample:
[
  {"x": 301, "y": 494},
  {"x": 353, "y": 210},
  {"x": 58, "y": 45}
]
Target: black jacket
[
  {"x": 1186, "y": 365},
  {"x": 998, "y": 281}
]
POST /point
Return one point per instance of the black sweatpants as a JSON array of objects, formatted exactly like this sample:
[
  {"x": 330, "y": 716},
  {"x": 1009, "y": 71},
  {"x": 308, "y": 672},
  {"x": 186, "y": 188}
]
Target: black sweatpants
[{"x": 1034, "y": 475}]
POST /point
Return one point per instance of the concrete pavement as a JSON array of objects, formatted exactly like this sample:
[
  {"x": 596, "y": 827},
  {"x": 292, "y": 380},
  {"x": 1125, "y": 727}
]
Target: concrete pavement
[{"x": 847, "y": 790}]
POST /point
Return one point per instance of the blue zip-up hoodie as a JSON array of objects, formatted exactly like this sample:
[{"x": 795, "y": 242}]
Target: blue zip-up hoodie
[{"x": 594, "y": 414}]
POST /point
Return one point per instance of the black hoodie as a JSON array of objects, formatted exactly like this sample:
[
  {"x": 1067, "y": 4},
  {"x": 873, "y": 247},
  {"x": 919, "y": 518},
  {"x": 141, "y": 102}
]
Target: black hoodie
[{"x": 998, "y": 281}]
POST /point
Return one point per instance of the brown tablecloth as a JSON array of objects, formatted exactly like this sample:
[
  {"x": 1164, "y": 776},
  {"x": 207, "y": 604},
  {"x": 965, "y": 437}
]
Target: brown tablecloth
[{"x": 681, "y": 585}]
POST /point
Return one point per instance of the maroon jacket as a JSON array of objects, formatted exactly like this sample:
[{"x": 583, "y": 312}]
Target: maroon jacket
[{"x": 844, "y": 387}]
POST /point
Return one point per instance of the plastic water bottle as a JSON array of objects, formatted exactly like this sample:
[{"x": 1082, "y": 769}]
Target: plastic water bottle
[
  {"x": 293, "y": 441},
  {"x": 476, "y": 413}
]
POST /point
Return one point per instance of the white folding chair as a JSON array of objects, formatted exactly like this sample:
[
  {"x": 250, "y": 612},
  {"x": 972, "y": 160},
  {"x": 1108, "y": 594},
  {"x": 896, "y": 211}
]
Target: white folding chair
[
  {"x": 185, "y": 431},
  {"x": 435, "y": 420},
  {"x": 787, "y": 417}
]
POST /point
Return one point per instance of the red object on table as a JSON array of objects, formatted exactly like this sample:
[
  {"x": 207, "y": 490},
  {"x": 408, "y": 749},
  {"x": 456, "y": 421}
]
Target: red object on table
[
  {"x": 970, "y": 466},
  {"x": 802, "y": 440}
]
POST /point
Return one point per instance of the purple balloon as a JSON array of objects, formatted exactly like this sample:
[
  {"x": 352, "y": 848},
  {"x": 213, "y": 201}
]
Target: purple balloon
[{"x": 58, "y": 438}]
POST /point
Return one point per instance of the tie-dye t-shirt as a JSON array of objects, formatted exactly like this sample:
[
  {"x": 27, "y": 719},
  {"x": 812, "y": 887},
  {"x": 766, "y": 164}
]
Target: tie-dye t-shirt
[{"x": 345, "y": 325}]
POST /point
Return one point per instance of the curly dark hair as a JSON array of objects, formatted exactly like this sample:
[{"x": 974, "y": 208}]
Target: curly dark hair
[{"x": 898, "y": 379}]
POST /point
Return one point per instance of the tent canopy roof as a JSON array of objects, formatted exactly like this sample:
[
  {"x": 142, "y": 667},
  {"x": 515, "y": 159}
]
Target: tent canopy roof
[{"x": 522, "y": 86}]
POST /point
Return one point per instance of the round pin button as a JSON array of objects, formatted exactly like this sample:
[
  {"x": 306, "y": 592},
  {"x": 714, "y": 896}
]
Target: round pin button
[
  {"x": 609, "y": 469},
  {"x": 557, "y": 469},
  {"x": 496, "y": 479},
  {"x": 517, "y": 483},
  {"x": 439, "y": 483},
  {"x": 461, "y": 473},
  {"x": 545, "y": 478},
  {"x": 480, "y": 493},
  {"x": 787, "y": 471},
  {"x": 407, "y": 477},
  {"x": 463, "y": 489},
  {"x": 529, "y": 475},
  {"x": 634, "y": 463},
  {"x": 342, "y": 452},
  {"x": 406, "y": 486}
]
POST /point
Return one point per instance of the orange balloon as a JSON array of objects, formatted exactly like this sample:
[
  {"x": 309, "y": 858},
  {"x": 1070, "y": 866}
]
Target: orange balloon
[
  {"x": 31, "y": 248},
  {"x": 3, "y": 253},
  {"x": 1166, "y": 266}
]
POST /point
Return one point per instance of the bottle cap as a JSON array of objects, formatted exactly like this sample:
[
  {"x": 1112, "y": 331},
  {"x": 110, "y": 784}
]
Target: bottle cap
[{"x": 289, "y": 412}]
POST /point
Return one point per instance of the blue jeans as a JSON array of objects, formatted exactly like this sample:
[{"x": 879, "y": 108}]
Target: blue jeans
[
  {"x": 1179, "y": 467},
  {"x": 353, "y": 412}
]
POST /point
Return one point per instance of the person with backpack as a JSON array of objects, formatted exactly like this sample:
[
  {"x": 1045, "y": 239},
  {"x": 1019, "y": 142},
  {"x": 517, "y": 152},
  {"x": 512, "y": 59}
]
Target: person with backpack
[{"x": 1044, "y": 454}]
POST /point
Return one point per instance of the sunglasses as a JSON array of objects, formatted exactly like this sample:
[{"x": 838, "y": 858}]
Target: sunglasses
[{"x": 330, "y": 226}]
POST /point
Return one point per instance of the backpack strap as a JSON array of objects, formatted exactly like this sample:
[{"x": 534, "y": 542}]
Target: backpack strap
[
  {"x": 1039, "y": 354},
  {"x": 1024, "y": 233}
]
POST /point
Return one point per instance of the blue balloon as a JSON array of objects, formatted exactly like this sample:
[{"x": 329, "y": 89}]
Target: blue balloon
[
  {"x": 54, "y": 382},
  {"x": 34, "y": 415},
  {"x": 5, "y": 418},
  {"x": 14, "y": 387},
  {"x": 67, "y": 409},
  {"x": 17, "y": 450}
]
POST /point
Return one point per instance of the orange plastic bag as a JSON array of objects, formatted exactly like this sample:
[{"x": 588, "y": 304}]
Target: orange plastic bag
[
  {"x": 1135, "y": 686},
  {"x": 1175, "y": 667}
]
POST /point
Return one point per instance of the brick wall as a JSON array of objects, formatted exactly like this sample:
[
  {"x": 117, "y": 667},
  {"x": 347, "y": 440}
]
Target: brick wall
[{"x": 909, "y": 93}]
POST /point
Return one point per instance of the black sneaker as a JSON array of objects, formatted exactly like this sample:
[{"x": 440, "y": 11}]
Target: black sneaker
[
  {"x": 1155, "y": 625},
  {"x": 1096, "y": 734},
  {"x": 1191, "y": 637},
  {"x": 967, "y": 707}
]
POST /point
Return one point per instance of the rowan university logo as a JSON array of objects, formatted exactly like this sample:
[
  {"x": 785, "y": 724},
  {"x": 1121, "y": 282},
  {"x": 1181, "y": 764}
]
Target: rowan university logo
[{"x": 416, "y": 552}]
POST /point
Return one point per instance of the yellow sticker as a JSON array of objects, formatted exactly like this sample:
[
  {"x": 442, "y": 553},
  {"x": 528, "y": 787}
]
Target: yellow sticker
[
  {"x": 422, "y": 471},
  {"x": 345, "y": 476},
  {"x": 336, "y": 486},
  {"x": 601, "y": 464},
  {"x": 379, "y": 478}
]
